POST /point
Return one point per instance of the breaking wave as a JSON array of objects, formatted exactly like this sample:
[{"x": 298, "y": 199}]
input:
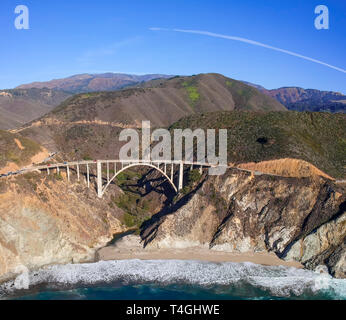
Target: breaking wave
[{"x": 276, "y": 281}]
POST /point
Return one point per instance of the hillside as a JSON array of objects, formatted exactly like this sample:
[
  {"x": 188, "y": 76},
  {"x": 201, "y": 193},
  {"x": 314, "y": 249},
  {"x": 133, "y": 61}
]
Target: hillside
[
  {"x": 164, "y": 101},
  {"x": 318, "y": 138},
  {"x": 93, "y": 82},
  {"x": 18, "y": 106},
  {"x": 299, "y": 99},
  {"x": 294, "y": 168},
  {"x": 98, "y": 117},
  {"x": 17, "y": 151}
]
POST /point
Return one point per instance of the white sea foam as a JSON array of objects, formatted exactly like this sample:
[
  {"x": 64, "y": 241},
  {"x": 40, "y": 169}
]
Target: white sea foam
[{"x": 276, "y": 280}]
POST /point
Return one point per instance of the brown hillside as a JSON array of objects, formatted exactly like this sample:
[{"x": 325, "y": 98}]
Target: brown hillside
[
  {"x": 97, "y": 118},
  {"x": 294, "y": 168},
  {"x": 164, "y": 101},
  {"x": 19, "y": 106},
  {"x": 17, "y": 151}
]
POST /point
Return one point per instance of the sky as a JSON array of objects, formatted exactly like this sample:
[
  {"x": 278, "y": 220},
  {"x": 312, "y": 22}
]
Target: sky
[{"x": 141, "y": 36}]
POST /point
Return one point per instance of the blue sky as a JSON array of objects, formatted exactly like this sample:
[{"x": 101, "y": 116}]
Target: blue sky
[{"x": 84, "y": 36}]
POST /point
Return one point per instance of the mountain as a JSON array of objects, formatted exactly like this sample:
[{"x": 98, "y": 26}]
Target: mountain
[
  {"x": 316, "y": 137},
  {"x": 299, "y": 99},
  {"x": 310, "y": 99},
  {"x": 93, "y": 82},
  {"x": 164, "y": 101},
  {"x": 18, "y": 106},
  {"x": 99, "y": 117}
]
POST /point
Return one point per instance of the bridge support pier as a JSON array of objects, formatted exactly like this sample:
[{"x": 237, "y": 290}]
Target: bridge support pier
[
  {"x": 78, "y": 177},
  {"x": 99, "y": 179},
  {"x": 166, "y": 168},
  {"x": 88, "y": 176}
]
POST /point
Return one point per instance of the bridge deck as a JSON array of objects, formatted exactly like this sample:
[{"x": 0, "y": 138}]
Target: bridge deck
[{"x": 139, "y": 162}]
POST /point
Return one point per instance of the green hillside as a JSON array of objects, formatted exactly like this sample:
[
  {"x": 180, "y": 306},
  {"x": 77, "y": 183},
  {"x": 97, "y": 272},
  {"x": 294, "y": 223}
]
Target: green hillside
[{"x": 319, "y": 138}]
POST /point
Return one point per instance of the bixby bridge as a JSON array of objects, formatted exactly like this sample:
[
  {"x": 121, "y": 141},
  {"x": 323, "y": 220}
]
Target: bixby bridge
[
  {"x": 172, "y": 170},
  {"x": 112, "y": 168}
]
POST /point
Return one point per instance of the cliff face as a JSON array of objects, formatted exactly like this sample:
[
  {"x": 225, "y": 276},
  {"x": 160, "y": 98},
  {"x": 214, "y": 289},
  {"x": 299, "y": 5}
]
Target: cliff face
[
  {"x": 299, "y": 219},
  {"x": 46, "y": 221}
]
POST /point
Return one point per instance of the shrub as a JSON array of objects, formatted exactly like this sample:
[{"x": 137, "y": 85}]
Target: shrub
[
  {"x": 87, "y": 158},
  {"x": 194, "y": 176},
  {"x": 129, "y": 220}
]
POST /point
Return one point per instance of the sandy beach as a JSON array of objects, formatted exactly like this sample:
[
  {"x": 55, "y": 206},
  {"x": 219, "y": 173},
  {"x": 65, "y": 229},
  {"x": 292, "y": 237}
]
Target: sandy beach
[{"x": 130, "y": 248}]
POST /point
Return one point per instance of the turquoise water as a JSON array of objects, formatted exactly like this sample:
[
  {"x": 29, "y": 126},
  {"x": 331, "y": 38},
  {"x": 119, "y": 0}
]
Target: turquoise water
[{"x": 172, "y": 279}]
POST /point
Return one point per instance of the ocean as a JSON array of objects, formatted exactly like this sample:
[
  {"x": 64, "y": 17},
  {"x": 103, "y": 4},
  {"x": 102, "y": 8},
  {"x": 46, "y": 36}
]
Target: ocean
[{"x": 172, "y": 280}]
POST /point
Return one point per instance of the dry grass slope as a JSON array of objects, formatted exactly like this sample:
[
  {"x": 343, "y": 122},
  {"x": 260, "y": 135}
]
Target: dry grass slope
[
  {"x": 165, "y": 101},
  {"x": 16, "y": 149}
]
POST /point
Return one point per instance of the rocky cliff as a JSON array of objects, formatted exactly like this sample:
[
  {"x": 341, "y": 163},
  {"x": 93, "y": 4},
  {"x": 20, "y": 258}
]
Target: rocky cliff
[
  {"x": 44, "y": 221},
  {"x": 299, "y": 219}
]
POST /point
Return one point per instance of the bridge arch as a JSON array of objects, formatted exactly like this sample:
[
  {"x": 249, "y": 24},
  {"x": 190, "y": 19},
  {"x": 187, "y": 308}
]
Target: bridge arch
[{"x": 102, "y": 190}]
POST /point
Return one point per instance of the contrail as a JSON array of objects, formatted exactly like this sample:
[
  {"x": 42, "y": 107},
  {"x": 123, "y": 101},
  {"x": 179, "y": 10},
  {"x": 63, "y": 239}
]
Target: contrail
[{"x": 255, "y": 43}]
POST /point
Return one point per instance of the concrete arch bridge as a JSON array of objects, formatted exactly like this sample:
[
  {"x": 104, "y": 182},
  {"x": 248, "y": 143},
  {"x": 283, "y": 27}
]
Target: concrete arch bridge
[{"x": 112, "y": 168}]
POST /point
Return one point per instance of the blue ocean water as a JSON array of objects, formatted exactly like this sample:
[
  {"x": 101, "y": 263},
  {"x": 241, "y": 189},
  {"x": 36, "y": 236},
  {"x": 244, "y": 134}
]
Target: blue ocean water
[{"x": 172, "y": 279}]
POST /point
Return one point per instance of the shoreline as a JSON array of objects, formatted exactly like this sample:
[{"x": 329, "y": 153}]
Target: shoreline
[{"x": 129, "y": 248}]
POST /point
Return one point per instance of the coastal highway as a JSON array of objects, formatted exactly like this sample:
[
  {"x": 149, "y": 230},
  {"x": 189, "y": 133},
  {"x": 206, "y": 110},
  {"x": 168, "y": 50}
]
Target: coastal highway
[{"x": 29, "y": 168}]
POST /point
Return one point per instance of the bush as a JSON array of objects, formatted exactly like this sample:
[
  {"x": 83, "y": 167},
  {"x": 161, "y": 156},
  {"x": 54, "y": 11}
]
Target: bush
[
  {"x": 58, "y": 176},
  {"x": 87, "y": 158},
  {"x": 194, "y": 176},
  {"x": 129, "y": 220}
]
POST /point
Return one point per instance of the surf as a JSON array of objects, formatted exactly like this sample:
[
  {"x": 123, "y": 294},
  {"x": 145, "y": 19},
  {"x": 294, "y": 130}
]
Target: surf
[{"x": 230, "y": 279}]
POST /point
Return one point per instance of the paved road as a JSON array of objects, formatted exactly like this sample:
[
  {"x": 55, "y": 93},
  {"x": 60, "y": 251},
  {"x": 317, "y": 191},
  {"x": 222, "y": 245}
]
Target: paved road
[{"x": 25, "y": 169}]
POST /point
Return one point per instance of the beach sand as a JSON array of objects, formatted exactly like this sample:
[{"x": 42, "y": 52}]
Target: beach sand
[{"x": 129, "y": 248}]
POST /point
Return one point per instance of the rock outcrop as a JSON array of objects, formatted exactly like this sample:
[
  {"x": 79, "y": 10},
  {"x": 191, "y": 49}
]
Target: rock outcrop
[
  {"x": 46, "y": 221},
  {"x": 298, "y": 219}
]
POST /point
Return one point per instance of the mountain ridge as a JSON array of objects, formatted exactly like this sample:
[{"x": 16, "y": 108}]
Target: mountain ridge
[
  {"x": 300, "y": 99},
  {"x": 163, "y": 101},
  {"x": 91, "y": 82}
]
